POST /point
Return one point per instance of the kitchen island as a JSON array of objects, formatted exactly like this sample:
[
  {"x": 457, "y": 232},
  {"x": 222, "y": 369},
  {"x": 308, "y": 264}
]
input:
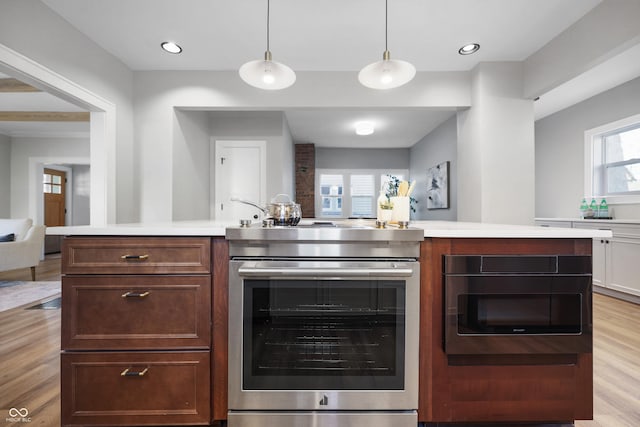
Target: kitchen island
[{"x": 187, "y": 265}]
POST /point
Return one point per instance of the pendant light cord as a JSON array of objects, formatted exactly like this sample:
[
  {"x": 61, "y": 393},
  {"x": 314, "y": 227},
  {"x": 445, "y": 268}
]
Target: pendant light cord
[
  {"x": 268, "y": 8},
  {"x": 386, "y": 24}
]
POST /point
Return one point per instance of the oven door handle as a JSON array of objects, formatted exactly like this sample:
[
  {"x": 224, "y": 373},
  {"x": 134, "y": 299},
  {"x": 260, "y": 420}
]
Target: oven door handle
[{"x": 325, "y": 272}]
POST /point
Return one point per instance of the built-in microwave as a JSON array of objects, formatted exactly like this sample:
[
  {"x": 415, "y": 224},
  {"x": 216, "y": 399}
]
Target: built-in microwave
[{"x": 517, "y": 304}]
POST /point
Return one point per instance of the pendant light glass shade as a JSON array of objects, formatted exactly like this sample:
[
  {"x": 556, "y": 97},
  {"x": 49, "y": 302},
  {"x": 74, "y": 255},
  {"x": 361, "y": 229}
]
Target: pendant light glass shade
[
  {"x": 388, "y": 73},
  {"x": 267, "y": 74}
]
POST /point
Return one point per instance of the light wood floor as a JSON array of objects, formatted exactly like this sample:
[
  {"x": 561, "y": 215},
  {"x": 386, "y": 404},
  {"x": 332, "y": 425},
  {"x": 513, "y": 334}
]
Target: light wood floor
[{"x": 30, "y": 359}]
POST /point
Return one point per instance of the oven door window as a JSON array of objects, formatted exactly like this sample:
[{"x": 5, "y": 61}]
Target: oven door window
[{"x": 323, "y": 334}]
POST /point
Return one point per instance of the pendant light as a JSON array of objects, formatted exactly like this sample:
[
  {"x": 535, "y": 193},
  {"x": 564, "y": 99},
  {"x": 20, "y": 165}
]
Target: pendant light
[
  {"x": 388, "y": 73},
  {"x": 267, "y": 74}
]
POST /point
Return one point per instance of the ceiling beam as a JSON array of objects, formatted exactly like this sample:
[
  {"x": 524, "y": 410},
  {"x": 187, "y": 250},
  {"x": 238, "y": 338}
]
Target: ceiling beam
[
  {"x": 43, "y": 116},
  {"x": 15, "y": 85}
]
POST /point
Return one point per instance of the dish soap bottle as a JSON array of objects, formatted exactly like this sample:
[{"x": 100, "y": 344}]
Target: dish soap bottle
[
  {"x": 603, "y": 210},
  {"x": 583, "y": 208}
]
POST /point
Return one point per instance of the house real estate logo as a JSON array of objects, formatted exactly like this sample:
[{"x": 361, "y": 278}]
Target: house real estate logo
[{"x": 18, "y": 415}]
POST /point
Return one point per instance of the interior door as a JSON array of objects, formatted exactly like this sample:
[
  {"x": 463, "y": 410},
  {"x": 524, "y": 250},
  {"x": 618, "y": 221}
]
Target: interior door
[{"x": 240, "y": 172}]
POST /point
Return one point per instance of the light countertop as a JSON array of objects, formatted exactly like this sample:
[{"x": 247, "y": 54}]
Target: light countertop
[
  {"x": 445, "y": 229},
  {"x": 594, "y": 221}
]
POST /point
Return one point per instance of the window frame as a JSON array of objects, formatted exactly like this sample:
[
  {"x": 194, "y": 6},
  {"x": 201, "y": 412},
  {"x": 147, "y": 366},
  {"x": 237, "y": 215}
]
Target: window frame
[
  {"x": 595, "y": 181},
  {"x": 346, "y": 182}
]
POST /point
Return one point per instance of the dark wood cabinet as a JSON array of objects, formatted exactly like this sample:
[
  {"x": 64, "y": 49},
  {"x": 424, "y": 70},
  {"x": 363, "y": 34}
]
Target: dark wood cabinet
[
  {"x": 495, "y": 388},
  {"x": 136, "y": 331},
  {"x": 136, "y": 255},
  {"x": 135, "y": 388},
  {"x": 136, "y": 312}
]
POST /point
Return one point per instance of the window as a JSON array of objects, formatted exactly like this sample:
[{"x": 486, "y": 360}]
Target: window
[
  {"x": 331, "y": 193},
  {"x": 362, "y": 196},
  {"x": 335, "y": 199},
  {"x": 613, "y": 161},
  {"x": 52, "y": 184},
  {"x": 621, "y": 161}
]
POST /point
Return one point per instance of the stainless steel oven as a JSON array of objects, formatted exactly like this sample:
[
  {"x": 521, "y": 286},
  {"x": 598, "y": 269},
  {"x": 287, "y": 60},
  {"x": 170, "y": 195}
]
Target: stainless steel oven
[
  {"x": 497, "y": 304},
  {"x": 323, "y": 327}
]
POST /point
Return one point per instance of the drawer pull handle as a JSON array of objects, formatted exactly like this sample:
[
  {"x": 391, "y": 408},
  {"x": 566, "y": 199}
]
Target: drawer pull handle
[
  {"x": 135, "y": 294},
  {"x": 135, "y": 257},
  {"x": 128, "y": 373}
]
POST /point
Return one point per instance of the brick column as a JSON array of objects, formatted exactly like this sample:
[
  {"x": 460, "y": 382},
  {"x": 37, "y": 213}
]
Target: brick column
[{"x": 305, "y": 178}]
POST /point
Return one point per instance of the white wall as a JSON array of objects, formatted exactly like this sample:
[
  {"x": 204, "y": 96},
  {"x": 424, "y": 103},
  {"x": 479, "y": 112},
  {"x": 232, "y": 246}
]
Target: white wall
[
  {"x": 28, "y": 155},
  {"x": 438, "y": 146},
  {"x": 190, "y": 166},
  {"x": 288, "y": 159},
  {"x": 5, "y": 176},
  {"x": 32, "y": 29},
  {"x": 81, "y": 195},
  {"x": 496, "y": 149},
  {"x": 560, "y": 148},
  {"x": 362, "y": 158}
]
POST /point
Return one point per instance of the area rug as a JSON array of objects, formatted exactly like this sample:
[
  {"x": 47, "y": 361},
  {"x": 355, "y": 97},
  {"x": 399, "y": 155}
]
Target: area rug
[{"x": 15, "y": 294}]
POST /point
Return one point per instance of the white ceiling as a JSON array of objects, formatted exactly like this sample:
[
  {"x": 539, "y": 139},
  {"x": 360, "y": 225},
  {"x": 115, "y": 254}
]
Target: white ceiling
[
  {"x": 313, "y": 35},
  {"x": 39, "y": 101}
]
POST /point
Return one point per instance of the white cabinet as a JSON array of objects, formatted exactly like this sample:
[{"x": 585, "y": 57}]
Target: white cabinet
[
  {"x": 616, "y": 260},
  {"x": 600, "y": 257},
  {"x": 623, "y": 256}
]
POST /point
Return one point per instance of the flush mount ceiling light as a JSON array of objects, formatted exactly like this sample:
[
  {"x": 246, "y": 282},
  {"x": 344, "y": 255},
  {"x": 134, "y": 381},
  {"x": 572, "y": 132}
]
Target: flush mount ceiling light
[
  {"x": 388, "y": 73},
  {"x": 170, "y": 47},
  {"x": 364, "y": 128},
  {"x": 468, "y": 49},
  {"x": 267, "y": 74}
]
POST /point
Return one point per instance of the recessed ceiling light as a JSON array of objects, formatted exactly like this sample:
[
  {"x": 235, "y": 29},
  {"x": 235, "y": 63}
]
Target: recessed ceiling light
[
  {"x": 171, "y": 47},
  {"x": 364, "y": 128},
  {"x": 468, "y": 49}
]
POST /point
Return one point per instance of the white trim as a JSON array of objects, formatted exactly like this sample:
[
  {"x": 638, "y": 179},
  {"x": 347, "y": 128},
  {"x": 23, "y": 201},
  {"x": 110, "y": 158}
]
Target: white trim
[
  {"x": 593, "y": 136},
  {"x": 102, "y": 134}
]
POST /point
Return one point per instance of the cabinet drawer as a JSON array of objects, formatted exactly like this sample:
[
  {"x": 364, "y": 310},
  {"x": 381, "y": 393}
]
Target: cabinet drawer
[
  {"x": 136, "y": 312},
  {"x": 135, "y": 388},
  {"x": 135, "y": 255}
]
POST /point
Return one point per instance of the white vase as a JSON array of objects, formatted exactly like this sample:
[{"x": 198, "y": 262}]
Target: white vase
[
  {"x": 385, "y": 215},
  {"x": 401, "y": 208}
]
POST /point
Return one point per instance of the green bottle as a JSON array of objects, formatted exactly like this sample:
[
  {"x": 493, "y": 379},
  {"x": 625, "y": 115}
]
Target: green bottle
[
  {"x": 583, "y": 208},
  {"x": 603, "y": 210}
]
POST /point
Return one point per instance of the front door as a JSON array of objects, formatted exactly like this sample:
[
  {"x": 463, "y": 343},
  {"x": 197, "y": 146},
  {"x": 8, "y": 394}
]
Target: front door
[{"x": 54, "y": 186}]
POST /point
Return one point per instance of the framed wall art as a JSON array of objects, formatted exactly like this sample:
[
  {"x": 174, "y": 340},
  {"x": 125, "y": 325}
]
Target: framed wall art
[{"x": 438, "y": 186}]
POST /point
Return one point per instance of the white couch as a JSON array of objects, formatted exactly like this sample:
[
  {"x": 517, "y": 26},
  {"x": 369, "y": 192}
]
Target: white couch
[{"x": 26, "y": 250}]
